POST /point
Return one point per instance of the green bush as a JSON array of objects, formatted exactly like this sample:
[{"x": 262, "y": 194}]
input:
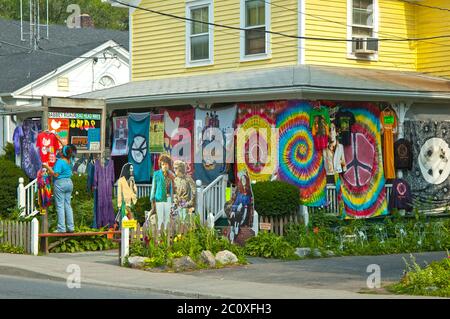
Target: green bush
[
  {"x": 143, "y": 204},
  {"x": 80, "y": 244},
  {"x": 276, "y": 198},
  {"x": 10, "y": 249},
  {"x": 432, "y": 280},
  {"x": 10, "y": 154},
  {"x": 80, "y": 191},
  {"x": 269, "y": 245},
  {"x": 9, "y": 177}
]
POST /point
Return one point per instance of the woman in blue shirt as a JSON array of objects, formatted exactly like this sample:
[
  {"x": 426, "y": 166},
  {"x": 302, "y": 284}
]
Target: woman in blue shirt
[{"x": 62, "y": 188}]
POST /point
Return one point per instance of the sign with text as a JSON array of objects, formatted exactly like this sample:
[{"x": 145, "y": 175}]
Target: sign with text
[
  {"x": 130, "y": 224},
  {"x": 265, "y": 226}
]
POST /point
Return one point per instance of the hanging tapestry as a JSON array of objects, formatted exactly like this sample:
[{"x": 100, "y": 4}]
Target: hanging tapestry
[
  {"x": 138, "y": 154},
  {"x": 256, "y": 146},
  {"x": 299, "y": 162},
  {"x": 214, "y": 139},
  {"x": 30, "y": 159},
  {"x": 120, "y": 136},
  {"x": 361, "y": 190},
  {"x": 178, "y": 131},
  {"x": 429, "y": 177},
  {"x": 157, "y": 133},
  {"x": 61, "y": 128}
]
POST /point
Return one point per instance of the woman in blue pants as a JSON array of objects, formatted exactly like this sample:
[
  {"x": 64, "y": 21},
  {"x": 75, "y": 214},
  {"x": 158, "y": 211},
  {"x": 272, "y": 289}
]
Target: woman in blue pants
[{"x": 62, "y": 189}]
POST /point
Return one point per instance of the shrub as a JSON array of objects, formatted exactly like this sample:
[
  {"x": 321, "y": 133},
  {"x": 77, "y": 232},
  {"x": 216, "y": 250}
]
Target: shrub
[
  {"x": 275, "y": 198},
  {"x": 9, "y": 177},
  {"x": 10, "y": 154},
  {"x": 80, "y": 191},
  {"x": 142, "y": 204},
  {"x": 10, "y": 249},
  {"x": 269, "y": 245},
  {"x": 79, "y": 244}
]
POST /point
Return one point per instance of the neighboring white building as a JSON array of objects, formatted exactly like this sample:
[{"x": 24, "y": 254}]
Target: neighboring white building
[{"x": 71, "y": 62}]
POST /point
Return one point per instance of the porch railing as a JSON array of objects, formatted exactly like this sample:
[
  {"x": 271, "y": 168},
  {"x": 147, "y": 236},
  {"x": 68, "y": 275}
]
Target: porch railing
[
  {"x": 211, "y": 199},
  {"x": 26, "y": 196}
]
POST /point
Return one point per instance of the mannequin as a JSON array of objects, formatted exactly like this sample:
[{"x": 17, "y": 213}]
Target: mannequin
[
  {"x": 162, "y": 191},
  {"x": 185, "y": 190},
  {"x": 126, "y": 189},
  {"x": 334, "y": 154}
]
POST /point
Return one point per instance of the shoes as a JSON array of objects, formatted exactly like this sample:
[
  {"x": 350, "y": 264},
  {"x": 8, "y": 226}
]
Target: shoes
[{"x": 58, "y": 232}]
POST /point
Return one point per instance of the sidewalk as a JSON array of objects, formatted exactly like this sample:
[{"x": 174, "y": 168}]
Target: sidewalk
[{"x": 99, "y": 269}]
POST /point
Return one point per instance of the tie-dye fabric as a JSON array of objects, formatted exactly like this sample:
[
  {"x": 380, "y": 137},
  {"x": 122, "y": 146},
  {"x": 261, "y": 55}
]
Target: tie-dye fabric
[
  {"x": 361, "y": 188},
  {"x": 44, "y": 183},
  {"x": 299, "y": 163},
  {"x": 256, "y": 147}
]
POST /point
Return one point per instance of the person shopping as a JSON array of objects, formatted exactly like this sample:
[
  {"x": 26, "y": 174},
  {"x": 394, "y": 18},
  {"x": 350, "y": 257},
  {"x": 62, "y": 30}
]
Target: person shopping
[{"x": 62, "y": 188}]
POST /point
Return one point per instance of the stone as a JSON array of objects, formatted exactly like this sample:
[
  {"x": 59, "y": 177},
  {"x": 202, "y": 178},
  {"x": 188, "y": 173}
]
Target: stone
[
  {"x": 137, "y": 262},
  {"x": 208, "y": 258},
  {"x": 317, "y": 253},
  {"x": 303, "y": 252},
  {"x": 226, "y": 257},
  {"x": 184, "y": 263},
  {"x": 330, "y": 253}
]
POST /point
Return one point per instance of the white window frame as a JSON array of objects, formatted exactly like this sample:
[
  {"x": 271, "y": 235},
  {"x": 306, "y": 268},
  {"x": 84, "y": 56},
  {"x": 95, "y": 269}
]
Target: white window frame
[
  {"x": 258, "y": 56},
  {"x": 195, "y": 4},
  {"x": 350, "y": 54}
]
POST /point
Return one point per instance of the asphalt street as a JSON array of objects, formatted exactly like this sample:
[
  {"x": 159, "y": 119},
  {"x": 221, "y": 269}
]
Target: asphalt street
[{"x": 12, "y": 287}]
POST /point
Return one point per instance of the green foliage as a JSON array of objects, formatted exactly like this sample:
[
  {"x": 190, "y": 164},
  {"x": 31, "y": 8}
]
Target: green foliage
[
  {"x": 432, "y": 280},
  {"x": 162, "y": 250},
  {"x": 269, "y": 245},
  {"x": 103, "y": 14},
  {"x": 142, "y": 204},
  {"x": 80, "y": 191},
  {"x": 80, "y": 244},
  {"x": 9, "y": 153},
  {"x": 275, "y": 198},
  {"x": 9, "y": 177},
  {"x": 10, "y": 249}
]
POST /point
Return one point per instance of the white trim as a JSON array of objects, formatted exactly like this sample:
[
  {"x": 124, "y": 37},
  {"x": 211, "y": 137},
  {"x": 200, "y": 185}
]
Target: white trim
[
  {"x": 130, "y": 43},
  {"x": 376, "y": 24},
  {"x": 193, "y": 5},
  {"x": 301, "y": 31},
  {"x": 111, "y": 45},
  {"x": 259, "y": 56}
]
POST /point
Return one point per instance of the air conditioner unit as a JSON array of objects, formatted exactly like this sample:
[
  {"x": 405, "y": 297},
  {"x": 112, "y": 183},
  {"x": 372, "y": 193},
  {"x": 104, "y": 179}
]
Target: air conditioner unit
[{"x": 365, "y": 46}]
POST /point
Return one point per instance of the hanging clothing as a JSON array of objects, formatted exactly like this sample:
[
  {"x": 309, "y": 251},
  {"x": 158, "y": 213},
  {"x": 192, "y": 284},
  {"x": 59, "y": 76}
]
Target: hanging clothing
[
  {"x": 401, "y": 196},
  {"x": 320, "y": 127},
  {"x": 17, "y": 136},
  {"x": 344, "y": 121},
  {"x": 334, "y": 159},
  {"x": 44, "y": 182},
  {"x": 403, "y": 154},
  {"x": 104, "y": 182},
  {"x": 48, "y": 144},
  {"x": 138, "y": 143},
  {"x": 388, "y": 120},
  {"x": 126, "y": 191},
  {"x": 30, "y": 160}
]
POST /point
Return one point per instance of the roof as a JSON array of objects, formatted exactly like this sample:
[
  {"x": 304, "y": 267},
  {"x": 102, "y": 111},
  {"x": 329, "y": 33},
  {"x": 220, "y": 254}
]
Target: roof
[
  {"x": 302, "y": 81},
  {"x": 19, "y": 67}
]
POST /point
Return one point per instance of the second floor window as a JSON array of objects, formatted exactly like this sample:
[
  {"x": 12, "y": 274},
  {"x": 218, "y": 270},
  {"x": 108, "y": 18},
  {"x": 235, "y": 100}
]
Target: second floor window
[
  {"x": 363, "y": 28},
  {"x": 199, "y": 35},
  {"x": 255, "y": 25}
]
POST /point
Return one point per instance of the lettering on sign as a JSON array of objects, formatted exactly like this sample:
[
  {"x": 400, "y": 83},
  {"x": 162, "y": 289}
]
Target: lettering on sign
[
  {"x": 265, "y": 226},
  {"x": 129, "y": 224}
]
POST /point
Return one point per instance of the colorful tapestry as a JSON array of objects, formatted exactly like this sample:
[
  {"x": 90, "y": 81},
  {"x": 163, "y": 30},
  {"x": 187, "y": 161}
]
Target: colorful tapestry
[
  {"x": 157, "y": 133},
  {"x": 429, "y": 177},
  {"x": 299, "y": 163},
  {"x": 120, "y": 136},
  {"x": 30, "y": 159},
  {"x": 361, "y": 190},
  {"x": 214, "y": 139},
  {"x": 44, "y": 182},
  {"x": 256, "y": 146},
  {"x": 138, "y": 155},
  {"x": 178, "y": 130}
]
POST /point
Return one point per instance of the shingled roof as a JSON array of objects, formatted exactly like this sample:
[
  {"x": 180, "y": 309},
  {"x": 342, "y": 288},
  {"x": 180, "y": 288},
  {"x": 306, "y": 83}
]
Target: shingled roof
[{"x": 19, "y": 67}]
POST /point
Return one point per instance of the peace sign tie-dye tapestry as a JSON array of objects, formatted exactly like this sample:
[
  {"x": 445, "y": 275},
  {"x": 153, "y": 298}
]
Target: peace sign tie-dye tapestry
[{"x": 361, "y": 189}]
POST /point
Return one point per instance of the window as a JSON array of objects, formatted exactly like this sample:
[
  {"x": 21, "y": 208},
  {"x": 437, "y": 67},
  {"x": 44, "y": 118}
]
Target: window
[
  {"x": 199, "y": 35},
  {"x": 254, "y": 19},
  {"x": 363, "y": 27}
]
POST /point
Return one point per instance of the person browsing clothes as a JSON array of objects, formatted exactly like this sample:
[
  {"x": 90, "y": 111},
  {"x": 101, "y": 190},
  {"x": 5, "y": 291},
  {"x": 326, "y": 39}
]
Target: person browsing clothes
[{"x": 62, "y": 188}]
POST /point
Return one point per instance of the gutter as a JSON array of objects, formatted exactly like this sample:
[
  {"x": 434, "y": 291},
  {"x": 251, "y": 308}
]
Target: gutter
[{"x": 296, "y": 92}]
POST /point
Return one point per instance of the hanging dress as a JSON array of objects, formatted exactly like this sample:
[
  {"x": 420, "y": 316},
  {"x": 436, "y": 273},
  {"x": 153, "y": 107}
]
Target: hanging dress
[{"x": 104, "y": 183}]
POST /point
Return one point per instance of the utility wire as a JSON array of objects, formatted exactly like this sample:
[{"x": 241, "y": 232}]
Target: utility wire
[
  {"x": 424, "y": 5},
  {"x": 268, "y": 31}
]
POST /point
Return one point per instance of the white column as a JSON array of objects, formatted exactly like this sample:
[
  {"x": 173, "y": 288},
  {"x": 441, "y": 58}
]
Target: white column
[
  {"x": 125, "y": 242},
  {"x": 199, "y": 204},
  {"x": 255, "y": 223},
  {"x": 21, "y": 194},
  {"x": 34, "y": 237}
]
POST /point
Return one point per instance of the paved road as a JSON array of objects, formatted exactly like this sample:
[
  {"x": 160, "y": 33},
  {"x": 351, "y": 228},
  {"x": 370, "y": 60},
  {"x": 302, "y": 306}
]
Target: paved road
[{"x": 28, "y": 288}]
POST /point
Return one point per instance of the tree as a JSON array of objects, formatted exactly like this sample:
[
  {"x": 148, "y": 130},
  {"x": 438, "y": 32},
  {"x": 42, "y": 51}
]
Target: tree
[{"x": 104, "y": 15}]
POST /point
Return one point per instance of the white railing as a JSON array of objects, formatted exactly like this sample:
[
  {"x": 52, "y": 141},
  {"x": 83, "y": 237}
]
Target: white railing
[
  {"x": 143, "y": 190},
  {"x": 26, "y": 196},
  {"x": 332, "y": 198},
  {"x": 211, "y": 200}
]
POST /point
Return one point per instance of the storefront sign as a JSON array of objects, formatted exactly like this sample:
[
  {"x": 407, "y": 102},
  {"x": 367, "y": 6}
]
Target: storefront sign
[
  {"x": 265, "y": 226},
  {"x": 129, "y": 224}
]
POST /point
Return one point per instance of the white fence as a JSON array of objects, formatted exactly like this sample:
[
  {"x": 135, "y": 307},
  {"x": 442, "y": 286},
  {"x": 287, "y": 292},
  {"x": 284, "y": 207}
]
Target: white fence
[{"x": 27, "y": 196}]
